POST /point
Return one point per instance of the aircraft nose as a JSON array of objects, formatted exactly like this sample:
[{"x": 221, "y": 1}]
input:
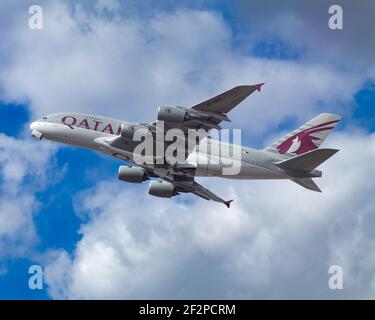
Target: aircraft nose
[
  {"x": 35, "y": 130},
  {"x": 33, "y": 125}
]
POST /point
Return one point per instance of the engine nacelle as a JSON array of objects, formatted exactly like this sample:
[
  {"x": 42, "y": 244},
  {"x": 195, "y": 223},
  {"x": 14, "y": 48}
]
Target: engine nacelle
[
  {"x": 172, "y": 114},
  {"x": 128, "y": 129},
  {"x": 37, "y": 135},
  {"x": 162, "y": 189},
  {"x": 131, "y": 174}
]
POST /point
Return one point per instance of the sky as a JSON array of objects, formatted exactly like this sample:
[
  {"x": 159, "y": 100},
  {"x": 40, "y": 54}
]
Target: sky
[{"x": 98, "y": 238}]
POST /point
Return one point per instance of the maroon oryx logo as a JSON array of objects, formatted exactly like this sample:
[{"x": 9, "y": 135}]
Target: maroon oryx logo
[{"x": 303, "y": 141}]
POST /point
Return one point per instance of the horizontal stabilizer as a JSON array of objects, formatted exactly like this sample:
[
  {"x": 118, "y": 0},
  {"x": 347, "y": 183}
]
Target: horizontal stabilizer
[
  {"x": 307, "y": 183},
  {"x": 307, "y": 161}
]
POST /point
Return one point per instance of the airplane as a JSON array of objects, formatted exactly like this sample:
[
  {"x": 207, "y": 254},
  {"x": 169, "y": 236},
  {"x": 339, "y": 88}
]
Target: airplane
[{"x": 294, "y": 156}]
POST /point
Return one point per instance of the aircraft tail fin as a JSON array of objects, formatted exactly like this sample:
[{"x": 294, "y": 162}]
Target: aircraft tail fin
[
  {"x": 307, "y": 183},
  {"x": 307, "y": 137},
  {"x": 307, "y": 161}
]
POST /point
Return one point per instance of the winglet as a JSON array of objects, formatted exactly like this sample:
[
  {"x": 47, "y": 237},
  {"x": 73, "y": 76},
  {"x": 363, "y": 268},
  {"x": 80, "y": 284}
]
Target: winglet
[
  {"x": 227, "y": 203},
  {"x": 258, "y": 86}
]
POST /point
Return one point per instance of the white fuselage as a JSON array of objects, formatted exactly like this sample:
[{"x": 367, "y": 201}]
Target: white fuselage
[{"x": 94, "y": 132}]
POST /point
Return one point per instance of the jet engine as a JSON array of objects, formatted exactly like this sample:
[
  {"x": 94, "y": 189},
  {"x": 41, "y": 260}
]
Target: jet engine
[
  {"x": 128, "y": 129},
  {"x": 37, "y": 135},
  {"x": 162, "y": 189},
  {"x": 172, "y": 114},
  {"x": 132, "y": 174}
]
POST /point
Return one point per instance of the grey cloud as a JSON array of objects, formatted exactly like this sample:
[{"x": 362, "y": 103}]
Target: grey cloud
[{"x": 304, "y": 26}]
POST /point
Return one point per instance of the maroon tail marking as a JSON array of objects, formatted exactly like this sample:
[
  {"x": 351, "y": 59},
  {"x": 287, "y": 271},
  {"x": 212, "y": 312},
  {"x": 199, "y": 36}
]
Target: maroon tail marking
[{"x": 305, "y": 138}]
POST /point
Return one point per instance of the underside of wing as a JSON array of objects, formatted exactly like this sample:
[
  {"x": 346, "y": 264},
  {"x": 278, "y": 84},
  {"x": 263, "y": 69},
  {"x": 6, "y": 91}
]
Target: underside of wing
[
  {"x": 197, "y": 189},
  {"x": 226, "y": 101},
  {"x": 206, "y": 115}
]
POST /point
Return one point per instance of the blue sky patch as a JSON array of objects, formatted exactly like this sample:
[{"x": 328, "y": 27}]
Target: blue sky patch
[
  {"x": 13, "y": 117},
  {"x": 364, "y": 113},
  {"x": 275, "y": 48}
]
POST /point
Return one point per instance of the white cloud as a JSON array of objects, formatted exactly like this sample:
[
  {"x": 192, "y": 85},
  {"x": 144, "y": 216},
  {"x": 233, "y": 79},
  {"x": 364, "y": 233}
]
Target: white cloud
[
  {"x": 24, "y": 166},
  {"x": 127, "y": 67},
  {"x": 277, "y": 241}
]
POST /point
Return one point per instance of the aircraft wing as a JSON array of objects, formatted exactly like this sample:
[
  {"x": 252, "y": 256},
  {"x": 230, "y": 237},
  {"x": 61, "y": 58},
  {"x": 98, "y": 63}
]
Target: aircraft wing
[
  {"x": 208, "y": 114},
  {"x": 197, "y": 189},
  {"x": 226, "y": 101}
]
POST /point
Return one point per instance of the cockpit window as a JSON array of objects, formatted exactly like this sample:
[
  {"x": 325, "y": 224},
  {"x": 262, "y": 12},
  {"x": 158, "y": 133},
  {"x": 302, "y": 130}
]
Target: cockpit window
[{"x": 44, "y": 118}]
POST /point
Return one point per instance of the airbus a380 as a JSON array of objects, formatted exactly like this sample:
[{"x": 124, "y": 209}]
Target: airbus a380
[{"x": 295, "y": 156}]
